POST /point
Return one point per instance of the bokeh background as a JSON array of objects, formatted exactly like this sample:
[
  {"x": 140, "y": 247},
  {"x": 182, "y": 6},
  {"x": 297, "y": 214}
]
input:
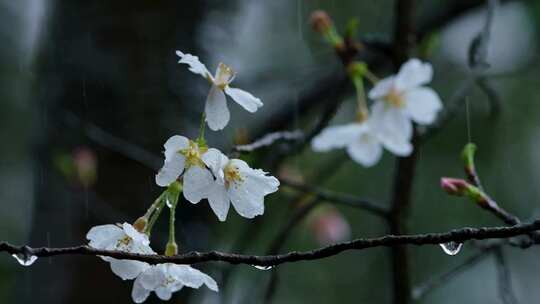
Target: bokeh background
[{"x": 90, "y": 90}]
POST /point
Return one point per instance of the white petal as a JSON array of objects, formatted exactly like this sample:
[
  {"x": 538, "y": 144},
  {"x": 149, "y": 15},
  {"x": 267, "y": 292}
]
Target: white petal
[
  {"x": 197, "y": 181},
  {"x": 217, "y": 113},
  {"x": 337, "y": 137},
  {"x": 422, "y": 104},
  {"x": 152, "y": 277},
  {"x": 139, "y": 294},
  {"x": 366, "y": 150},
  {"x": 413, "y": 73},
  {"x": 171, "y": 170},
  {"x": 218, "y": 199},
  {"x": 192, "y": 277},
  {"x": 398, "y": 146},
  {"x": 127, "y": 269},
  {"x": 382, "y": 88},
  {"x": 195, "y": 65},
  {"x": 104, "y": 236},
  {"x": 135, "y": 235},
  {"x": 247, "y": 195},
  {"x": 257, "y": 178},
  {"x": 163, "y": 293},
  {"x": 216, "y": 161},
  {"x": 249, "y": 102},
  {"x": 175, "y": 144},
  {"x": 390, "y": 123}
]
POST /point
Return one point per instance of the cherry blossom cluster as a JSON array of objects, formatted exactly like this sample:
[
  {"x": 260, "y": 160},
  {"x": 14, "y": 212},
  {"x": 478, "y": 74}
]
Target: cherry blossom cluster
[
  {"x": 398, "y": 101},
  {"x": 199, "y": 172}
]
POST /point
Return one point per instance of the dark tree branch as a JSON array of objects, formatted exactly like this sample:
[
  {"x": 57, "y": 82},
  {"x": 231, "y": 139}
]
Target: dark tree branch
[
  {"x": 404, "y": 39},
  {"x": 457, "y": 235}
]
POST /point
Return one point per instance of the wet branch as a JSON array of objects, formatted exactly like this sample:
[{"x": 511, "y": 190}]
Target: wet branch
[{"x": 457, "y": 235}]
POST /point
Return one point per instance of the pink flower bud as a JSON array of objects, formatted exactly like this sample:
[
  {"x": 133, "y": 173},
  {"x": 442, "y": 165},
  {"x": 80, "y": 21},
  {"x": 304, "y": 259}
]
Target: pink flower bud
[{"x": 454, "y": 186}]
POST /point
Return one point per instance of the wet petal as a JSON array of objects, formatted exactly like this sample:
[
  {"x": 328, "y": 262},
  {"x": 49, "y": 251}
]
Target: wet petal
[
  {"x": 217, "y": 113},
  {"x": 215, "y": 160},
  {"x": 366, "y": 150},
  {"x": 175, "y": 144},
  {"x": 171, "y": 170},
  {"x": 127, "y": 269},
  {"x": 163, "y": 293},
  {"x": 382, "y": 88},
  {"x": 218, "y": 199},
  {"x": 152, "y": 277},
  {"x": 413, "y": 73},
  {"x": 197, "y": 181},
  {"x": 337, "y": 137},
  {"x": 249, "y": 102},
  {"x": 135, "y": 235},
  {"x": 139, "y": 294},
  {"x": 194, "y": 64},
  {"x": 422, "y": 105},
  {"x": 192, "y": 277},
  {"x": 104, "y": 236}
]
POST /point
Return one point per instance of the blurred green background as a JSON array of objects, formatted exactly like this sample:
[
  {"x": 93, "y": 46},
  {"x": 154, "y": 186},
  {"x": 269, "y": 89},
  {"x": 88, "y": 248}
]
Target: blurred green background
[{"x": 70, "y": 70}]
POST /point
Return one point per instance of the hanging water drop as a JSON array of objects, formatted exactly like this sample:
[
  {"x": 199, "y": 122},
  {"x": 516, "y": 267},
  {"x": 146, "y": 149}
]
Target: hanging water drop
[
  {"x": 451, "y": 248},
  {"x": 264, "y": 268},
  {"x": 168, "y": 202},
  {"x": 24, "y": 260}
]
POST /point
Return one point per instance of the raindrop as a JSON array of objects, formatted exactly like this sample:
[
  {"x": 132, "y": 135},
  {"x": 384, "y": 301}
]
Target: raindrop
[
  {"x": 24, "y": 260},
  {"x": 264, "y": 268},
  {"x": 168, "y": 202},
  {"x": 451, "y": 248}
]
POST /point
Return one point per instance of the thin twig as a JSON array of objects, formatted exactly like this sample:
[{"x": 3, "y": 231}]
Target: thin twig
[
  {"x": 337, "y": 198},
  {"x": 457, "y": 235},
  {"x": 506, "y": 291},
  {"x": 269, "y": 139}
]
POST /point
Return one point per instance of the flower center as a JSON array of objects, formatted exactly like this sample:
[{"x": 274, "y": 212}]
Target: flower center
[
  {"x": 193, "y": 154},
  {"x": 395, "y": 98},
  {"x": 224, "y": 75},
  {"x": 123, "y": 243},
  {"x": 231, "y": 175}
]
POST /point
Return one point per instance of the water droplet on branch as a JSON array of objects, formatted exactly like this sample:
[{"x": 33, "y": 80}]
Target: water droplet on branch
[
  {"x": 451, "y": 248},
  {"x": 264, "y": 268},
  {"x": 25, "y": 260},
  {"x": 168, "y": 202}
]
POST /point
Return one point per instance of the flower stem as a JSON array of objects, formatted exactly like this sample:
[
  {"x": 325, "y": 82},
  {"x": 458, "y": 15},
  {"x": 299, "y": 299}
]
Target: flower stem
[
  {"x": 158, "y": 208},
  {"x": 371, "y": 77},
  {"x": 363, "y": 112},
  {"x": 173, "y": 194},
  {"x": 202, "y": 127}
]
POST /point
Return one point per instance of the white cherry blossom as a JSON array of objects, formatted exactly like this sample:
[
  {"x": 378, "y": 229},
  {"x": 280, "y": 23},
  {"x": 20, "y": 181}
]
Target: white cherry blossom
[
  {"x": 124, "y": 238},
  {"x": 166, "y": 279},
  {"x": 401, "y": 98},
  {"x": 361, "y": 142},
  {"x": 182, "y": 154},
  {"x": 216, "y": 110},
  {"x": 236, "y": 182}
]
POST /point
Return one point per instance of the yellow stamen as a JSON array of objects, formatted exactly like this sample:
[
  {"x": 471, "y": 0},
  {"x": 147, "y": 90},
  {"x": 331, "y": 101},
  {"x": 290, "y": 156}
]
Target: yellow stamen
[
  {"x": 232, "y": 175},
  {"x": 193, "y": 154},
  {"x": 224, "y": 75},
  {"x": 395, "y": 98}
]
